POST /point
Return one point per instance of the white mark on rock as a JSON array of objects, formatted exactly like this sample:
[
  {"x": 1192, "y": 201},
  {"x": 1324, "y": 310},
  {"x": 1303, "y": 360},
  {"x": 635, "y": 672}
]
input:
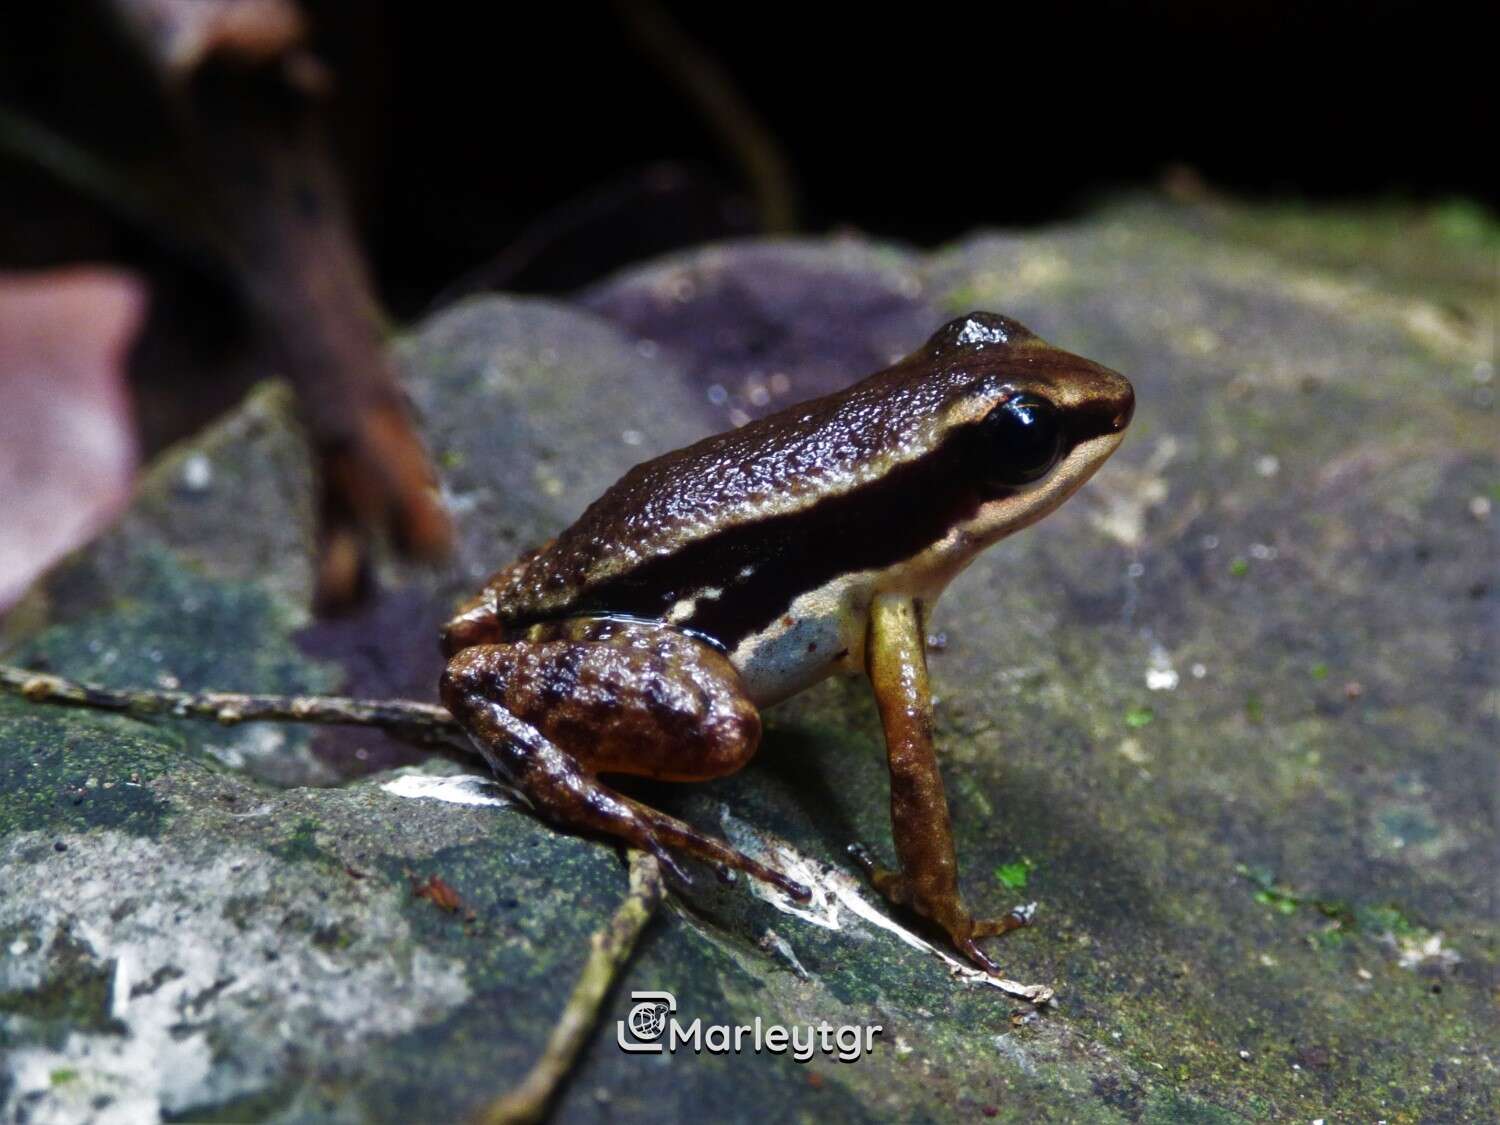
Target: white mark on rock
[
  {"x": 834, "y": 891},
  {"x": 1122, "y": 501},
  {"x": 1160, "y": 675},
  {"x": 1427, "y": 951},
  {"x": 203, "y": 1016},
  {"x": 119, "y": 989},
  {"x": 197, "y": 472},
  {"x": 462, "y": 789},
  {"x": 772, "y": 942}
]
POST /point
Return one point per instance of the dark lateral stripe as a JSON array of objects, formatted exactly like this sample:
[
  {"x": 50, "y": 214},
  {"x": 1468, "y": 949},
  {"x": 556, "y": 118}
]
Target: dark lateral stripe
[
  {"x": 877, "y": 525},
  {"x": 1091, "y": 421}
]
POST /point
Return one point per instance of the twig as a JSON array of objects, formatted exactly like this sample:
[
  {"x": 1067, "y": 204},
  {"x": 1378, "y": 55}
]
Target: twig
[
  {"x": 712, "y": 92},
  {"x": 425, "y": 723},
  {"x": 609, "y": 950},
  {"x": 165, "y": 217}
]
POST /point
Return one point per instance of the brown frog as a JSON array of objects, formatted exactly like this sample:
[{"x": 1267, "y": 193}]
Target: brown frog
[{"x": 719, "y": 579}]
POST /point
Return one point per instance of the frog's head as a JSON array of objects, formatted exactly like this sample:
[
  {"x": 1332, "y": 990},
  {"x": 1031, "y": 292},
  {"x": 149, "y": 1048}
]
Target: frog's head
[{"x": 1033, "y": 422}]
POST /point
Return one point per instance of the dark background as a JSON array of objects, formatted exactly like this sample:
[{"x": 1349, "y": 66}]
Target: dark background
[
  {"x": 917, "y": 121},
  {"x": 540, "y": 146}
]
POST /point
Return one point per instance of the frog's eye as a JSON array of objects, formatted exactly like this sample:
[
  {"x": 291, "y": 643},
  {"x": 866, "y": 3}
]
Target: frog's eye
[{"x": 1022, "y": 440}]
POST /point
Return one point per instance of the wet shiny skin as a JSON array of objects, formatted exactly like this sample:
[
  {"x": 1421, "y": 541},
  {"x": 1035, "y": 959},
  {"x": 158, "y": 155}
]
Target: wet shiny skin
[{"x": 733, "y": 573}]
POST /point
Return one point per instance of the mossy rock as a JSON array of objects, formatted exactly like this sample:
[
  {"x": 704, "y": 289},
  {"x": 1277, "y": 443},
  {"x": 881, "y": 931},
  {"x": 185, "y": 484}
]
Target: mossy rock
[{"x": 1223, "y": 717}]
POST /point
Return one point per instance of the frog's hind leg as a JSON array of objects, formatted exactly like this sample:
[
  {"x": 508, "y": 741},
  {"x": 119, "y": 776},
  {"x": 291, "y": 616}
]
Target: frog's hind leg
[{"x": 550, "y": 714}]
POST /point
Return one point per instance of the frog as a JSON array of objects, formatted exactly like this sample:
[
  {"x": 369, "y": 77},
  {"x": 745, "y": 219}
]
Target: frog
[{"x": 717, "y": 580}]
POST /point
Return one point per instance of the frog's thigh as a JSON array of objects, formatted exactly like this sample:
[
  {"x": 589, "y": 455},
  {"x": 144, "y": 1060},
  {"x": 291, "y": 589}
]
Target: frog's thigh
[
  {"x": 549, "y": 715},
  {"x": 647, "y": 701}
]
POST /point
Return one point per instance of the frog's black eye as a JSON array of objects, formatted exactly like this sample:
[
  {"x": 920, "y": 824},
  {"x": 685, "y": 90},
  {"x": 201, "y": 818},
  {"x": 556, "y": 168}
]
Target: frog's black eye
[{"x": 1022, "y": 440}]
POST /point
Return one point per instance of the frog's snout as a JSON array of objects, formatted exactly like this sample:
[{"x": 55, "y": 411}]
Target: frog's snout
[{"x": 1124, "y": 405}]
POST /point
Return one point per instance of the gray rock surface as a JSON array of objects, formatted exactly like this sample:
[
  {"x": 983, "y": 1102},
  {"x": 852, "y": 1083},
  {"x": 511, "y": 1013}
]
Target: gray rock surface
[{"x": 1228, "y": 717}]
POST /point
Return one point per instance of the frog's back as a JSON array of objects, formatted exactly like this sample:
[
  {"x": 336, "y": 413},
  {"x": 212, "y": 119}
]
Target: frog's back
[{"x": 616, "y": 557}]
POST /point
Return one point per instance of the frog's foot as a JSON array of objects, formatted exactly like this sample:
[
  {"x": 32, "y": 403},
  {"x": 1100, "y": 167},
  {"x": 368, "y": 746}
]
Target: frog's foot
[
  {"x": 944, "y": 909},
  {"x": 656, "y": 831}
]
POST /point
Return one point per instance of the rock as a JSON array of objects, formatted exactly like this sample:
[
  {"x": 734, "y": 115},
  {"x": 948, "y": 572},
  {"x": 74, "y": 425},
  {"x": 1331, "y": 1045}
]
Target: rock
[{"x": 1220, "y": 716}]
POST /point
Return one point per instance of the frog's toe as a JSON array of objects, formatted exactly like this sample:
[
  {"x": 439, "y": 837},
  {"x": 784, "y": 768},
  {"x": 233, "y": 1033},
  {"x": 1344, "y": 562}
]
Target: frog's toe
[
  {"x": 862, "y": 856},
  {"x": 891, "y": 884},
  {"x": 784, "y": 883},
  {"x": 1013, "y": 919},
  {"x": 799, "y": 891},
  {"x": 669, "y": 863},
  {"x": 970, "y": 949}
]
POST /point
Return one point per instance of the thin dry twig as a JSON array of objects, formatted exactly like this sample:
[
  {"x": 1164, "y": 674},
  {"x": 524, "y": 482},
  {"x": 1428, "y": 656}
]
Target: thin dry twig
[
  {"x": 731, "y": 116},
  {"x": 425, "y": 723},
  {"x": 609, "y": 949}
]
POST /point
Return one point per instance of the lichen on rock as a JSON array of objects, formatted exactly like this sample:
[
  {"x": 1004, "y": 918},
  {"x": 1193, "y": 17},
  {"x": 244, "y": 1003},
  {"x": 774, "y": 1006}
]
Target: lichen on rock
[{"x": 1221, "y": 716}]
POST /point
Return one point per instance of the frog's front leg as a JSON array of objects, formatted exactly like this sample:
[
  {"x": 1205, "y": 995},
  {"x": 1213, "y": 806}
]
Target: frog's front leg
[
  {"x": 610, "y": 697},
  {"x": 896, "y": 660}
]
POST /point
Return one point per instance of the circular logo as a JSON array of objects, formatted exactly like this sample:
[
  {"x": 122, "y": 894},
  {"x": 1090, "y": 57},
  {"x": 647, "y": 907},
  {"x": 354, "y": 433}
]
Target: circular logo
[{"x": 648, "y": 1021}]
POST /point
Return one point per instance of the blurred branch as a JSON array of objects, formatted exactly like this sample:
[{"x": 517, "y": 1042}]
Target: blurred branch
[
  {"x": 29, "y": 141},
  {"x": 731, "y": 117},
  {"x": 246, "y": 185}
]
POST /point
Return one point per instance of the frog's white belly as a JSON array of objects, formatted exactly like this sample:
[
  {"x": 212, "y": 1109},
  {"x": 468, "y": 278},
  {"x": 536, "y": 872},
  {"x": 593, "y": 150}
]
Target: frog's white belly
[{"x": 821, "y": 633}]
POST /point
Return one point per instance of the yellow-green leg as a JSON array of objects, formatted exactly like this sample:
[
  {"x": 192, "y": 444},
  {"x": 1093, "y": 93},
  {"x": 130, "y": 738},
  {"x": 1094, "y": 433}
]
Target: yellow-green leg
[{"x": 896, "y": 661}]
